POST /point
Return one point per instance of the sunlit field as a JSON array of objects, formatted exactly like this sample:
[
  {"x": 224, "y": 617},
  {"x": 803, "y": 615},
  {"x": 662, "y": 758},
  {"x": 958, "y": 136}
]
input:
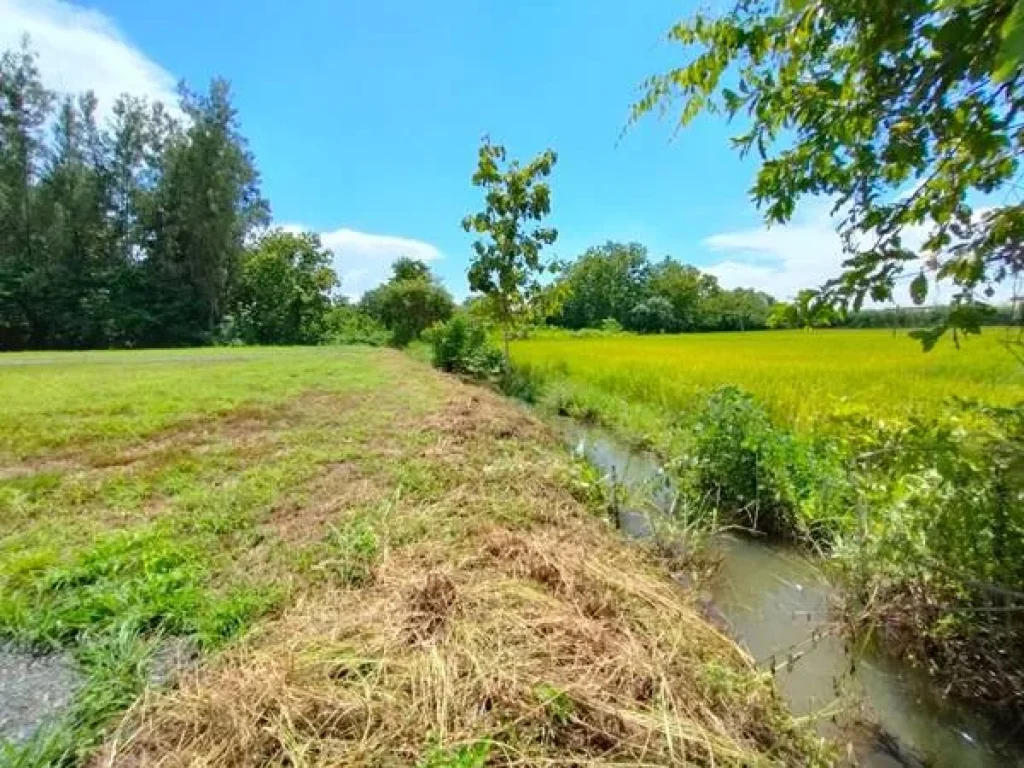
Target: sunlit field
[
  {"x": 800, "y": 376},
  {"x": 225, "y": 541}
]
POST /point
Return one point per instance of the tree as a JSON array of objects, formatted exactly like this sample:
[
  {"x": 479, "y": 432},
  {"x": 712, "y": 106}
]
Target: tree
[
  {"x": 406, "y": 268},
  {"x": 207, "y": 205},
  {"x": 606, "y": 281},
  {"x": 507, "y": 262},
  {"x": 686, "y": 288},
  {"x": 25, "y": 106},
  {"x": 741, "y": 309},
  {"x": 75, "y": 261},
  {"x": 903, "y": 113},
  {"x": 284, "y": 290},
  {"x": 410, "y": 302},
  {"x": 805, "y": 311},
  {"x": 656, "y": 315},
  {"x": 125, "y": 233}
]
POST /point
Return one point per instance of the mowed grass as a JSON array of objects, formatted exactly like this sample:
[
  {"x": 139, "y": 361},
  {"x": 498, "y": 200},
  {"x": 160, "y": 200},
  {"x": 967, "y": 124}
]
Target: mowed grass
[
  {"x": 802, "y": 377},
  {"x": 339, "y": 556}
]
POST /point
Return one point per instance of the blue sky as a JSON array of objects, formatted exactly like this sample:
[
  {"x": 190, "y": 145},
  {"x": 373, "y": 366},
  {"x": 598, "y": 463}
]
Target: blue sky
[{"x": 365, "y": 119}]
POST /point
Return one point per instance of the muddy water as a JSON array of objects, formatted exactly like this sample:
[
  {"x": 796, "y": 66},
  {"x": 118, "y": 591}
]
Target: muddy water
[{"x": 776, "y": 603}]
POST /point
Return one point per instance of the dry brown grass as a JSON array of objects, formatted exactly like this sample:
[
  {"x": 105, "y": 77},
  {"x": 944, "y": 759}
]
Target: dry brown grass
[{"x": 500, "y": 611}]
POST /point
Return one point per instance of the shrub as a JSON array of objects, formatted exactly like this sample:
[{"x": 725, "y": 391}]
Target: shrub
[
  {"x": 777, "y": 482},
  {"x": 460, "y": 345},
  {"x": 349, "y": 325},
  {"x": 522, "y": 383},
  {"x": 409, "y": 303}
]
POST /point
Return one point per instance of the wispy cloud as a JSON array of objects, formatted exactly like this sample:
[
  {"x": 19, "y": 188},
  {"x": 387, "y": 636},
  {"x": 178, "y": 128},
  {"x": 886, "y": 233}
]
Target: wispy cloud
[
  {"x": 782, "y": 260},
  {"x": 81, "y": 49},
  {"x": 363, "y": 260},
  {"x": 779, "y": 260}
]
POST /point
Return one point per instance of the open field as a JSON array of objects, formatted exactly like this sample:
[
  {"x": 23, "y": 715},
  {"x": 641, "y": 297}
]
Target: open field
[
  {"x": 338, "y": 556},
  {"x": 802, "y": 377}
]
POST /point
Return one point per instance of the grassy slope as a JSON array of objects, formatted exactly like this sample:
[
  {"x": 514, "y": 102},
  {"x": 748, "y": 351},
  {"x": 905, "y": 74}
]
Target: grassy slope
[
  {"x": 379, "y": 565},
  {"x": 801, "y": 376}
]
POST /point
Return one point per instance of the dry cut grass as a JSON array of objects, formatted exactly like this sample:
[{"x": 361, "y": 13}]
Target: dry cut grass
[{"x": 496, "y": 621}]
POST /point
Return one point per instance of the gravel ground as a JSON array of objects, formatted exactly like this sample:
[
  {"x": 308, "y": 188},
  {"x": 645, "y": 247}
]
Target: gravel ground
[{"x": 33, "y": 691}]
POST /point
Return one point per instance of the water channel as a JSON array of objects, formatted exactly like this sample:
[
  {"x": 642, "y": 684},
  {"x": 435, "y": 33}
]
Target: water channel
[{"x": 776, "y": 602}]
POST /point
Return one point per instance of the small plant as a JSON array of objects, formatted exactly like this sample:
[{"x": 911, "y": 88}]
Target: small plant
[
  {"x": 354, "y": 547},
  {"x": 466, "y": 756},
  {"x": 777, "y": 482},
  {"x": 557, "y": 703}
]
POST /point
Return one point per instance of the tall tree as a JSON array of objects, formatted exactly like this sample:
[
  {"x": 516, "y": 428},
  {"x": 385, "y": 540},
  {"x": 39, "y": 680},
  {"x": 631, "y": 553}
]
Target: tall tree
[
  {"x": 284, "y": 290},
  {"x": 686, "y": 288},
  {"x": 207, "y": 205},
  {"x": 506, "y": 260},
  {"x": 124, "y": 234},
  {"x": 25, "y": 106},
  {"x": 606, "y": 281},
  {"x": 74, "y": 261},
  {"x": 905, "y": 113},
  {"x": 406, "y": 268}
]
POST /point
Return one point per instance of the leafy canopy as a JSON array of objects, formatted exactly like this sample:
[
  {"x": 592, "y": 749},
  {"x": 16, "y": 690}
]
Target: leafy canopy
[
  {"x": 903, "y": 113},
  {"x": 507, "y": 262},
  {"x": 128, "y": 231},
  {"x": 616, "y": 285},
  {"x": 409, "y": 302},
  {"x": 284, "y": 290}
]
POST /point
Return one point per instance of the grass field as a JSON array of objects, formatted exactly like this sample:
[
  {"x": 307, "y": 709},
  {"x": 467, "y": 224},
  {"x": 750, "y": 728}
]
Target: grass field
[
  {"x": 338, "y": 556},
  {"x": 802, "y": 377}
]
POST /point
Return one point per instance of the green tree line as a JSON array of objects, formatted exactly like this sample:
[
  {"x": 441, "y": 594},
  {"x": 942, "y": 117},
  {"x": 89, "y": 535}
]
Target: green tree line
[
  {"x": 128, "y": 231},
  {"x": 147, "y": 228},
  {"x": 618, "y": 284}
]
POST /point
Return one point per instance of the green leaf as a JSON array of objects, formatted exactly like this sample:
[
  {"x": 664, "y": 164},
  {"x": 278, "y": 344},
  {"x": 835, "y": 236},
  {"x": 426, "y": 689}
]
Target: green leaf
[
  {"x": 919, "y": 289},
  {"x": 929, "y": 337},
  {"x": 1011, "y": 51}
]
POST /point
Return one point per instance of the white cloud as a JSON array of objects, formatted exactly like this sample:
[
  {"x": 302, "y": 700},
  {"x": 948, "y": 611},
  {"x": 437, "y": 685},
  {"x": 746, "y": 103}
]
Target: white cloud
[
  {"x": 81, "y": 49},
  {"x": 782, "y": 260},
  {"x": 363, "y": 260}
]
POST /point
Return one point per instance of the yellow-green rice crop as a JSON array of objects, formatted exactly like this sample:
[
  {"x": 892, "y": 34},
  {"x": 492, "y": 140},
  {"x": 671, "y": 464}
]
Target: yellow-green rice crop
[{"x": 800, "y": 376}]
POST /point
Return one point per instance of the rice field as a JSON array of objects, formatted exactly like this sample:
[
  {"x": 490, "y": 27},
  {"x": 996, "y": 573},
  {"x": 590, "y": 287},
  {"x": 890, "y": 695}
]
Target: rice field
[{"x": 800, "y": 376}]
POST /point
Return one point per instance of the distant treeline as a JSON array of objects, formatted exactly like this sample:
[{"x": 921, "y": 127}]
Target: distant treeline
[
  {"x": 920, "y": 317},
  {"x": 618, "y": 284},
  {"x": 127, "y": 231}
]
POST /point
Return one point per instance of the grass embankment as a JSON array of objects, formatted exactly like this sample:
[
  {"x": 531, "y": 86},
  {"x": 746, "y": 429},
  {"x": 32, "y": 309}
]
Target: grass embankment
[
  {"x": 852, "y": 442},
  {"x": 373, "y": 564}
]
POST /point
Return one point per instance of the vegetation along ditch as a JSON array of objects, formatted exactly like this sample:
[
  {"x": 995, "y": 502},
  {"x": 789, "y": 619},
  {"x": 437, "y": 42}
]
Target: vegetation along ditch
[{"x": 909, "y": 502}]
